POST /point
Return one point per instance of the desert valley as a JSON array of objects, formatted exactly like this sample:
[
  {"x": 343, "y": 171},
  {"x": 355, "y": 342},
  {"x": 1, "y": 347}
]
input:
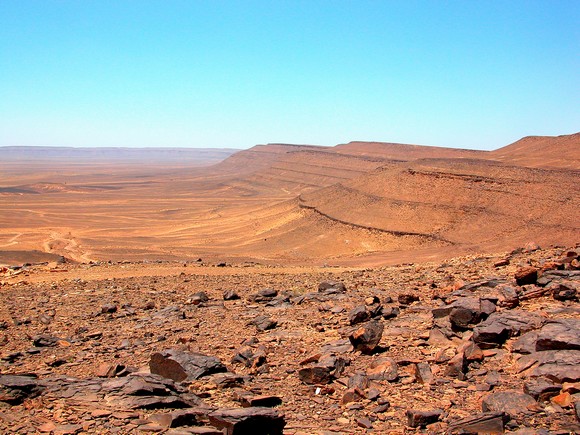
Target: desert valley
[{"x": 363, "y": 288}]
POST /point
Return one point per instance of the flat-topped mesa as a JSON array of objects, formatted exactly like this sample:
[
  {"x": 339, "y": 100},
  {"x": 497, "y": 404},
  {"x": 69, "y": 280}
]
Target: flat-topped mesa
[{"x": 406, "y": 152}]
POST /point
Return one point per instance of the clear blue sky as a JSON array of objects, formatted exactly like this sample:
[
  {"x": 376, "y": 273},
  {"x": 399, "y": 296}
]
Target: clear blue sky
[{"x": 471, "y": 74}]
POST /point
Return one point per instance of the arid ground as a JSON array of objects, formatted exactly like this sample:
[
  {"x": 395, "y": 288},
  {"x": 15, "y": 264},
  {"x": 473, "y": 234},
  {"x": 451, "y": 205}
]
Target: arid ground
[
  {"x": 354, "y": 204},
  {"x": 292, "y": 289}
]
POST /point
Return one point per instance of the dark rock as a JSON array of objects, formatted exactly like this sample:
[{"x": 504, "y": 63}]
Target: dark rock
[
  {"x": 457, "y": 366},
  {"x": 488, "y": 423},
  {"x": 263, "y": 401},
  {"x": 359, "y": 314},
  {"x": 327, "y": 368},
  {"x": 15, "y": 389},
  {"x": 352, "y": 395},
  {"x": 227, "y": 380},
  {"x": 564, "y": 292},
  {"x": 407, "y": 299},
  {"x": 558, "y": 365},
  {"x": 110, "y": 370},
  {"x": 383, "y": 369},
  {"x": 390, "y": 312},
  {"x": 230, "y": 295},
  {"x": 248, "y": 421},
  {"x": 526, "y": 275},
  {"x": 264, "y": 295},
  {"x": 316, "y": 375},
  {"x": 45, "y": 340},
  {"x": 264, "y": 323},
  {"x": 109, "y": 309},
  {"x": 500, "y": 326},
  {"x": 564, "y": 334},
  {"x": 417, "y": 418},
  {"x": 526, "y": 343},
  {"x": 178, "y": 365},
  {"x": 512, "y": 403},
  {"x": 358, "y": 380},
  {"x": 423, "y": 373},
  {"x": 199, "y": 298},
  {"x": 250, "y": 357},
  {"x": 330, "y": 287},
  {"x": 468, "y": 311},
  {"x": 364, "y": 423},
  {"x": 507, "y": 296},
  {"x": 542, "y": 389},
  {"x": 367, "y": 337}
]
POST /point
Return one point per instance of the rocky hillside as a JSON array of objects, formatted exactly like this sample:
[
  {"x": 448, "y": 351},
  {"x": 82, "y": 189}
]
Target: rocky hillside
[{"x": 478, "y": 344}]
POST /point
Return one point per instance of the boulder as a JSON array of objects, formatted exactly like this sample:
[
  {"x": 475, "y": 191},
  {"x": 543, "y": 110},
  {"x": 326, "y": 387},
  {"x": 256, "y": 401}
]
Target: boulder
[
  {"x": 248, "y": 421},
  {"x": 383, "y": 369},
  {"x": 512, "y": 403},
  {"x": 526, "y": 275},
  {"x": 14, "y": 389},
  {"x": 264, "y": 323},
  {"x": 179, "y": 365},
  {"x": 230, "y": 295},
  {"x": 488, "y": 423},
  {"x": 367, "y": 337},
  {"x": 330, "y": 287},
  {"x": 563, "y": 334},
  {"x": 500, "y": 326},
  {"x": 416, "y": 418},
  {"x": 558, "y": 365}
]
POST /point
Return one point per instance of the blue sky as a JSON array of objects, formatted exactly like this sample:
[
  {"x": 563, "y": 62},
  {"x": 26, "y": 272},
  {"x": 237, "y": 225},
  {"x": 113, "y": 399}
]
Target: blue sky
[{"x": 469, "y": 74}]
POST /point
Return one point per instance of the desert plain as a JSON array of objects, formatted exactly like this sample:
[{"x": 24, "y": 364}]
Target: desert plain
[{"x": 363, "y": 288}]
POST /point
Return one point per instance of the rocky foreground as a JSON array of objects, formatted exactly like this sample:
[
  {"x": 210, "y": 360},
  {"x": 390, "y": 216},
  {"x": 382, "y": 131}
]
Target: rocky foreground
[{"x": 474, "y": 345}]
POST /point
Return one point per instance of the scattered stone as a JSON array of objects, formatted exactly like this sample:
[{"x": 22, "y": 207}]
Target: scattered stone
[
  {"x": 250, "y": 357},
  {"x": 264, "y": 323},
  {"x": 359, "y": 314},
  {"x": 564, "y": 292},
  {"x": 417, "y": 418},
  {"x": 326, "y": 369},
  {"x": 45, "y": 340},
  {"x": 352, "y": 395},
  {"x": 199, "y": 298},
  {"x": 423, "y": 373},
  {"x": 178, "y": 365},
  {"x": 367, "y": 337},
  {"x": 109, "y": 309},
  {"x": 264, "y": 295},
  {"x": 330, "y": 287},
  {"x": 364, "y": 423},
  {"x": 406, "y": 299},
  {"x": 383, "y": 369},
  {"x": 526, "y": 275},
  {"x": 230, "y": 295}
]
